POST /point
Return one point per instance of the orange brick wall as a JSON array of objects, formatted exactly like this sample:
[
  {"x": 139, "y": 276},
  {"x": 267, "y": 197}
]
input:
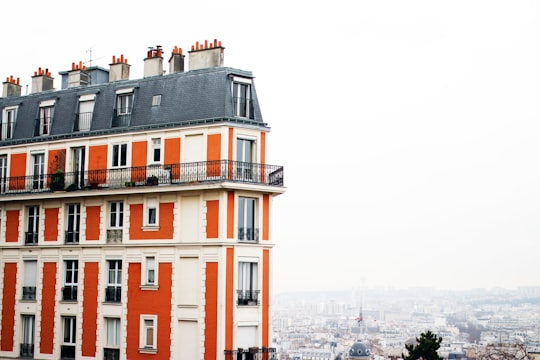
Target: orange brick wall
[
  {"x": 48, "y": 308},
  {"x": 8, "y": 307},
  {"x": 90, "y": 304},
  {"x": 166, "y": 223},
  {"x": 93, "y": 222},
  {"x": 51, "y": 224},
  {"x": 212, "y": 219},
  {"x": 12, "y": 225}
]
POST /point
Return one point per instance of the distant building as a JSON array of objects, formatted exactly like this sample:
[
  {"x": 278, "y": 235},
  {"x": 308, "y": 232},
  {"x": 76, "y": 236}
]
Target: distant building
[{"x": 135, "y": 215}]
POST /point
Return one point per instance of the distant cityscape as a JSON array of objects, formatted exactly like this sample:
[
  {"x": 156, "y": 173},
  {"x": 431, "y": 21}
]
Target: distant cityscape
[{"x": 325, "y": 325}]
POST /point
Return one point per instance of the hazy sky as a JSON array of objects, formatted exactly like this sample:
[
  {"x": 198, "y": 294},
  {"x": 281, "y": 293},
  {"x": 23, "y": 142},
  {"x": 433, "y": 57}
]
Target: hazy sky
[{"x": 409, "y": 130}]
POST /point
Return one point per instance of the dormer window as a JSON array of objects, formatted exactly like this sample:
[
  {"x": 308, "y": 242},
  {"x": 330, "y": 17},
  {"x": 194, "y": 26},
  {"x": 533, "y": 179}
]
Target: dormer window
[
  {"x": 8, "y": 122},
  {"x": 242, "y": 98},
  {"x": 124, "y": 106},
  {"x": 46, "y": 113},
  {"x": 86, "y": 110}
]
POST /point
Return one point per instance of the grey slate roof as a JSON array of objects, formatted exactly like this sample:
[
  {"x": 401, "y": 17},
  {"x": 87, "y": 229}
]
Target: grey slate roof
[{"x": 187, "y": 98}]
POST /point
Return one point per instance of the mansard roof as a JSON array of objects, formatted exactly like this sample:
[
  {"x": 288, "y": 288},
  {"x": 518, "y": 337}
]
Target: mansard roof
[{"x": 188, "y": 98}]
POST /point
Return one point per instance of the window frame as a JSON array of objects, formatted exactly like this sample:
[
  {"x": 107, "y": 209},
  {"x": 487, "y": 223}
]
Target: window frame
[
  {"x": 9, "y": 117},
  {"x": 243, "y": 212},
  {"x": 144, "y": 345},
  {"x": 71, "y": 270},
  {"x": 119, "y": 155},
  {"x": 151, "y": 213},
  {"x": 73, "y": 222},
  {"x": 38, "y": 170},
  {"x": 156, "y": 148},
  {"x": 116, "y": 335},
  {"x": 241, "y": 96},
  {"x": 86, "y": 101},
  {"x": 248, "y": 281},
  {"x": 46, "y": 115},
  {"x": 118, "y": 214},
  {"x": 72, "y": 330},
  {"x": 3, "y": 173}
]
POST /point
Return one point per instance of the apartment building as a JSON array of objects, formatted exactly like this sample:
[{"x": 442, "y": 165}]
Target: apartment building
[{"x": 135, "y": 214}]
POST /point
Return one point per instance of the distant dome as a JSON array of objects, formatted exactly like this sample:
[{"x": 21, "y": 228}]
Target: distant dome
[
  {"x": 411, "y": 341},
  {"x": 359, "y": 351}
]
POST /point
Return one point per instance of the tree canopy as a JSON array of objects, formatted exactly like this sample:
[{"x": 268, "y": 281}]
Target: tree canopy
[{"x": 425, "y": 348}]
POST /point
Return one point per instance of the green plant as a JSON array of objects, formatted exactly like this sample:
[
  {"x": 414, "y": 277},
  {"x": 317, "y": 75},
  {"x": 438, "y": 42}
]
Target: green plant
[{"x": 57, "y": 181}]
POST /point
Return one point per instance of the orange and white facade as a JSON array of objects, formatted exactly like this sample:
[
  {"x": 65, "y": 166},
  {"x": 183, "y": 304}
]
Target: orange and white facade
[{"x": 135, "y": 215}]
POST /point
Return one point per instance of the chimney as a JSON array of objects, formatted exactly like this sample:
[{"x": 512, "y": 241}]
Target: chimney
[
  {"x": 12, "y": 87},
  {"x": 42, "y": 81},
  {"x": 119, "y": 69},
  {"x": 176, "y": 62},
  {"x": 206, "y": 56},
  {"x": 153, "y": 63},
  {"x": 78, "y": 75}
]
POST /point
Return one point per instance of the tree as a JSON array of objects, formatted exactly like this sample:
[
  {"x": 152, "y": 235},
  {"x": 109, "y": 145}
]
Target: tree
[
  {"x": 505, "y": 352},
  {"x": 425, "y": 348}
]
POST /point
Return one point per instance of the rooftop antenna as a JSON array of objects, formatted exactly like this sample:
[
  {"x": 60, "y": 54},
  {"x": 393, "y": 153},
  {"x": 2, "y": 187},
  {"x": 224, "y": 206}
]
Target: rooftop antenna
[{"x": 90, "y": 52}]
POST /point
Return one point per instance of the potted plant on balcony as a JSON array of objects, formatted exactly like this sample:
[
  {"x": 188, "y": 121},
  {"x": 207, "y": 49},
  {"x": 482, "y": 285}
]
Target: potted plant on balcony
[
  {"x": 57, "y": 181},
  {"x": 152, "y": 180}
]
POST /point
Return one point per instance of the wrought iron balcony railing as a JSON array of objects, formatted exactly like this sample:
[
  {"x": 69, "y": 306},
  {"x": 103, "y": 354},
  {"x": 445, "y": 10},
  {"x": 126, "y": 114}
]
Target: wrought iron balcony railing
[
  {"x": 248, "y": 297},
  {"x": 170, "y": 174},
  {"x": 69, "y": 293},
  {"x": 29, "y": 293},
  {"x": 111, "y": 354},
  {"x": 248, "y": 234},
  {"x": 121, "y": 119},
  {"x": 83, "y": 121},
  {"x": 30, "y": 238},
  {"x": 113, "y": 293},
  {"x": 253, "y": 353},
  {"x": 114, "y": 235},
  {"x": 26, "y": 350},
  {"x": 72, "y": 237}
]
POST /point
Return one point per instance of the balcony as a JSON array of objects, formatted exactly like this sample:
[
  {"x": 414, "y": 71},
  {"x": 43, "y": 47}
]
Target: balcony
[
  {"x": 247, "y": 297},
  {"x": 253, "y": 353},
  {"x": 26, "y": 350},
  {"x": 201, "y": 172},
  {"x": 69, "y": 293},
  {"x": 113, "y": 294},
  {"x": 30, "y": 238},
  {"x": 29, "y": 293},
  {"x": 71, "y": 237},
  {"x": 248, "y": 234}
]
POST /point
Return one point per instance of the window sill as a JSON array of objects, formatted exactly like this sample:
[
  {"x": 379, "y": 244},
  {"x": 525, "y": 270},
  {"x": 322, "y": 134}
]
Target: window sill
[
  {"x": 149, "y": 287},
  {"x": 148, "y": 350},
  {"x": 150, "y": 228}
]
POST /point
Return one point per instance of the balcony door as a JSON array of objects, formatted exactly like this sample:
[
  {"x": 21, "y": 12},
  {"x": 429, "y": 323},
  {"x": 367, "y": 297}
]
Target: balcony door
[
  {"x": 244, "y": 156},
  {"x": 38, "y": 175},
  {"x": 27, "y": 344},
  {"x": 78, "y": 165}
]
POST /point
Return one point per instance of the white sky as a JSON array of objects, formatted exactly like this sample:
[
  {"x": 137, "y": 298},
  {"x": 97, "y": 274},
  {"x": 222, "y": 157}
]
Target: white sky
[{"x": 409, "y": 130}]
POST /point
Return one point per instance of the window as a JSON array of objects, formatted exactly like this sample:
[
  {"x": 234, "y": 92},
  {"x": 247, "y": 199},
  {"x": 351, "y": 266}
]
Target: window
[
  {"x": 248, "y": 293},
  {"x": 27, "y": 343},
  {"x": 86, "y": 110},
  {"x": 242, "y": 99},
  {"x": 119, "y": 155},
  {"x": 45, "y": 119},
  {"x": 30, "y": 275},
  {"x": 156, "y": 100},
  {"x": 150, "y": 270},
  {"x": 32, "y": 225},
  {"x": 69, "y": 292},
  {"x": 151, "y": 212},
  {"x": 246, "y": 219},
  {"x": 113, "y": 332},
  {"x": 113, "y": 292},
  {"x": 38, "y": 167},
  {"x": 148, "y": 334},
  {"x": 244, "y": 156},
  {"x": 156, "y": 150},
  {"x": 116, "y": 214},
  {"x": 111, "y": 350},
  {"x": 124, "y": 105},
  {"x": 3, "y": 174},
  {"x": 78, "y": 165},
  {"x": 68, "y": 342},
  {"x": 73, "y": 223},
  {"x": 8, "y": 123}
]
